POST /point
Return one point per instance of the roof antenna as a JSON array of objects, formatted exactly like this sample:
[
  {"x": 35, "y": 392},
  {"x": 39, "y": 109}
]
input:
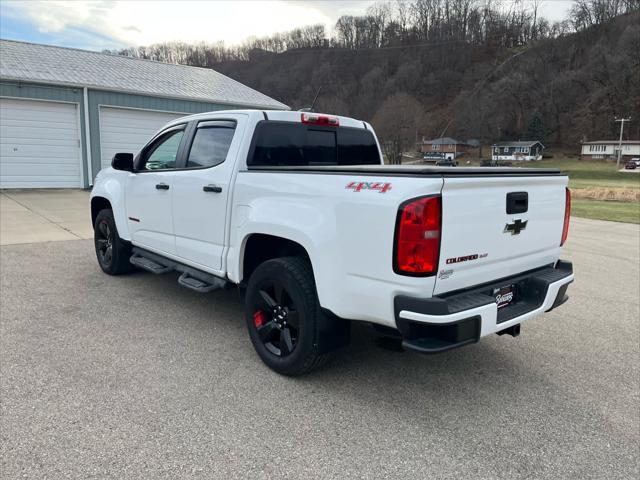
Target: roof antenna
[{"x": 313, "y": 104}]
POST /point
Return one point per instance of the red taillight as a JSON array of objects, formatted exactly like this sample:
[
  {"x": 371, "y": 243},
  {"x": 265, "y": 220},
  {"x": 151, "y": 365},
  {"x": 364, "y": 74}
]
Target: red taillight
[
  {"x": 417, "y": 245},
  {"x": 315, "y": 119},
  {"x": 567, "y": 214}
]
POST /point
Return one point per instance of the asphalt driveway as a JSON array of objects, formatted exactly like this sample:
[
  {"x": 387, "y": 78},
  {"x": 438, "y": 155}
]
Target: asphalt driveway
[{"x": 137, "y": 377}]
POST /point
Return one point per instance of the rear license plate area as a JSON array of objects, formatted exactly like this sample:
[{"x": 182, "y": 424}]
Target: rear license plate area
[{"x": 504, "y": 295}]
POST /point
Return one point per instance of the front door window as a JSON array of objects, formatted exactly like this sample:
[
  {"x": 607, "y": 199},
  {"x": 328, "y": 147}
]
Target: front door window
[{"x": 162, "y": 154}]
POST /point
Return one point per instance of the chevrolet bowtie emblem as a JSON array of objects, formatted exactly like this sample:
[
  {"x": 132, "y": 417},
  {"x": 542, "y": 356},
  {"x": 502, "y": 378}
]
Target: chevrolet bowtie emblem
[{"x": 516, "y": 227}]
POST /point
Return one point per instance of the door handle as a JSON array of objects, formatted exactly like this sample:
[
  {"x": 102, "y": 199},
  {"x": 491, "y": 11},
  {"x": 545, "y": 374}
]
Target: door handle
[
  {"x": 162, "y": 186},
  {"x": 212, "y": 188}
]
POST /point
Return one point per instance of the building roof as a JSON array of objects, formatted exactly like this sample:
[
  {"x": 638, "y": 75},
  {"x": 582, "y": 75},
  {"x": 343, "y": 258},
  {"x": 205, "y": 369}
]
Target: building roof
[
  {"x": 23, "y": 61},
  {"x": 519, "y": 143},
  {"x": 444, "y": 141},
  {"x": 611, "y": 142}
]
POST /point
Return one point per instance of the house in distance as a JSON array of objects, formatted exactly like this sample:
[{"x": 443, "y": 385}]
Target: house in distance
[
  {"x": 609, "y": 149},
  {"x": 442, "y": 148},
  {"x": 521, "y": 150}
]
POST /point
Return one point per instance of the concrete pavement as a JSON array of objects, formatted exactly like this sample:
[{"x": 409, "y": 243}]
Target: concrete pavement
[{"x": 28, "y": 216}]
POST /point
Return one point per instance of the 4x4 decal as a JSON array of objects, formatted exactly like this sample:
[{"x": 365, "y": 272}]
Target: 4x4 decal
[{"x": 358, "y": 186}]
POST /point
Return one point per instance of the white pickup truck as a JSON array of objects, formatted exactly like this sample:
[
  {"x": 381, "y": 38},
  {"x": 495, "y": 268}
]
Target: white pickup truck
[{"x": 300, "y": 212}]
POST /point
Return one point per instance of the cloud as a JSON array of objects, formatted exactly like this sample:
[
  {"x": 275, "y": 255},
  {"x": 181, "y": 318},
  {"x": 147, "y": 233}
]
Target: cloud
[{"x": 144, "y": 23}]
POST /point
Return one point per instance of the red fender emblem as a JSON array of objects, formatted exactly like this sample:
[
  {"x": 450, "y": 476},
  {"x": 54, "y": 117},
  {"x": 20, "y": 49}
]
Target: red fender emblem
[{"x": 359, "y": 186}]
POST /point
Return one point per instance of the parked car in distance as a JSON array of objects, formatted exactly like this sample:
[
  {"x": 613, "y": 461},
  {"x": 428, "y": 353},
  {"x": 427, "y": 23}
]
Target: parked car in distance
[
  {"x": 632, "y": 164},
  {"x": 298, "y": 210},
  {"x": 446, "y": 163}
]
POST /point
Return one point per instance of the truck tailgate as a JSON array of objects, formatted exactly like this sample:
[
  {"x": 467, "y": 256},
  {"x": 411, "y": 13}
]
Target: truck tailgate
[{"x": 481, "y": 242}]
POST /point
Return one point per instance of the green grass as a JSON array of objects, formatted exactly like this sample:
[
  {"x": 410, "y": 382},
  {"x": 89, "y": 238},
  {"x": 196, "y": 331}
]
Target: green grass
[
  {"x": 592, "y": 173},
  {"x": 628, "y": 212},
  {"x": 595, "y": 174}
]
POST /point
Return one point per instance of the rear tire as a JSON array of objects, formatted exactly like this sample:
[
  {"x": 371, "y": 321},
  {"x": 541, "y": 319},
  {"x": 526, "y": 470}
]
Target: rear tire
[
  {"x": 112, "y": 252},
  {"x": 283, "y": 316}
]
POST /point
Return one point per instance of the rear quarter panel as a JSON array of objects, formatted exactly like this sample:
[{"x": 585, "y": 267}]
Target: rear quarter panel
[{"x": 348, "y": 234}]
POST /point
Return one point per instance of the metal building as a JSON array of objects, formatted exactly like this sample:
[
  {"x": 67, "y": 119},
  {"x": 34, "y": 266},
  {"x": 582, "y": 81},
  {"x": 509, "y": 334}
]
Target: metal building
[{"x": 64, "y": 112}]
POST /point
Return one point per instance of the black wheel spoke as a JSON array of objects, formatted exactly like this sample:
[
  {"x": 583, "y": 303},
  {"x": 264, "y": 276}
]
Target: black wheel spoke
[
  {"x": 102, "y": 243},
  {"x": 268, "y": 300},
  {"x": 108, "y": 253},
  {"x": 293, "y": 318},
  {"x": 265, "y": 331},
  {"x": 286, "y": 343}
]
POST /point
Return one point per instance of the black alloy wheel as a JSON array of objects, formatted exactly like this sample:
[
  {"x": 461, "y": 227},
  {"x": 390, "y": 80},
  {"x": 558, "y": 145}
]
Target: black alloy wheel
[
  {"x": 104, "y": 243},
  {"x": 112, "y": 252},
  {"x": 284, "y": 317},
  {"x": 276, "y": 318}
]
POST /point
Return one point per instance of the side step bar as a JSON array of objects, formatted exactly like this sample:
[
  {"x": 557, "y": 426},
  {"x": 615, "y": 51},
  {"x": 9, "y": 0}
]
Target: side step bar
[
  {"x": 192, "y": 278},
  {"x": 149, "y": 265}
]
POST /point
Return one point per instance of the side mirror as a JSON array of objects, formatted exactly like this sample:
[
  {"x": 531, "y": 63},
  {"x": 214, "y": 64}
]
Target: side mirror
[{"x": 123, "y": 161}]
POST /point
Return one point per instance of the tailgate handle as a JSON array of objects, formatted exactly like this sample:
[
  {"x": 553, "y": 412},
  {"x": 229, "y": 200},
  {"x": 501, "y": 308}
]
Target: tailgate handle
[{"x": 517, "y": 202}]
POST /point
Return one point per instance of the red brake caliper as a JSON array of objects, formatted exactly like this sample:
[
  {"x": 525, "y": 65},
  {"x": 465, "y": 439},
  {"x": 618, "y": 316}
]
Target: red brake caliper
[{"x": 258, "y": 318}]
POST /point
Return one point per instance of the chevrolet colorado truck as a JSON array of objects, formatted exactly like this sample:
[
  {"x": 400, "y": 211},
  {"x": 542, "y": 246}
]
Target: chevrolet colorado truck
[{"x": 299, "y": 211}]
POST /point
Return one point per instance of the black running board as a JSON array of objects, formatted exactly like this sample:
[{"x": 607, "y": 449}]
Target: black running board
[
  {"x": 149, "y": 265},
  {"x": 191, "y": 278}
]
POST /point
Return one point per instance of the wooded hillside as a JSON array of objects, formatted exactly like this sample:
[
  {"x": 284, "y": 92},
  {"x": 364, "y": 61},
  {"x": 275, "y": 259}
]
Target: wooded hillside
[{"x": 460, "y": 73}]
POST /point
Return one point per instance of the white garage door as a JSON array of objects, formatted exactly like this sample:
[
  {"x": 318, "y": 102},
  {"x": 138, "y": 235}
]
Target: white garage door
[
  {"x": 39, "y": 144},
  {"x": 127, "y": 130}
]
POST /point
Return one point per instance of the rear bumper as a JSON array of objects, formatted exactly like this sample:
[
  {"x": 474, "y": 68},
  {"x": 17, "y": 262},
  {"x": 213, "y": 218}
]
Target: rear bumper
[{"x": 432, "y": 325}]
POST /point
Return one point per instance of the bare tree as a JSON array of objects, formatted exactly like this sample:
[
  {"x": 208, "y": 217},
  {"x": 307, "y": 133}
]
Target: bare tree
[{"x": 396, "y": 123}]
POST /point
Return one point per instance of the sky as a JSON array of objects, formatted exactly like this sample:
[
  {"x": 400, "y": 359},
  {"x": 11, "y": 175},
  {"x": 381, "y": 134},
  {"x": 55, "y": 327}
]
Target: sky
[{"x": 102, "y": 24}]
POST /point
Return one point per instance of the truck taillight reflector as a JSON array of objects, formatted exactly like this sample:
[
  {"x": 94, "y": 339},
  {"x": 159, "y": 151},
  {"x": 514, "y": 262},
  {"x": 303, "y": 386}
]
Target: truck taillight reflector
[
  {"x": 315, "y": 119},
  {"x": 567, "y": 215},
  {"x": 417, "y": 242}
]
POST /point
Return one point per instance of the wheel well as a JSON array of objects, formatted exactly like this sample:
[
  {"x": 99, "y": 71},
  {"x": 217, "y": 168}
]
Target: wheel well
[
  {"x": 97, "y": 204},
  {"x": 261, "y": 247}
]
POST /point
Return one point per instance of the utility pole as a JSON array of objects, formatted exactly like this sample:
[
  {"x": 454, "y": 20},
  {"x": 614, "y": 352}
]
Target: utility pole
[{"x": 621, "y": 120}]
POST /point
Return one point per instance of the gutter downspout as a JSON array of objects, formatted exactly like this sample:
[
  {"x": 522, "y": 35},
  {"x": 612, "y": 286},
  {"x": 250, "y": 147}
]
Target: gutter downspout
[{"x": 87, "y": 136}]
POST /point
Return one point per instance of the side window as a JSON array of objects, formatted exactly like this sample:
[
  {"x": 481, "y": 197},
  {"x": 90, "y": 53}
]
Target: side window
[
  {"x": 162, "y": 154},
  {"x": 211, "y": 144}
]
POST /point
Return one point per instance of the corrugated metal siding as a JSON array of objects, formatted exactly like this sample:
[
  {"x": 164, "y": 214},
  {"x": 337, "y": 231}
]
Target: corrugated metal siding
[
  {"x": 14, "y": 89},
  {"x": 99, "y": 98}
]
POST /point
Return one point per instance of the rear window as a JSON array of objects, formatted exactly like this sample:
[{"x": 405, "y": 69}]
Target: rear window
[{"x": 296, "y": 144}]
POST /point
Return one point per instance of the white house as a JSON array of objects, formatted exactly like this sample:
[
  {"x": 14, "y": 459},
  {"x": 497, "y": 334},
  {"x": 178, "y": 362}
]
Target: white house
[
  {"x": 520, "y": 150},
  {"x": 609, "y": 149}
]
